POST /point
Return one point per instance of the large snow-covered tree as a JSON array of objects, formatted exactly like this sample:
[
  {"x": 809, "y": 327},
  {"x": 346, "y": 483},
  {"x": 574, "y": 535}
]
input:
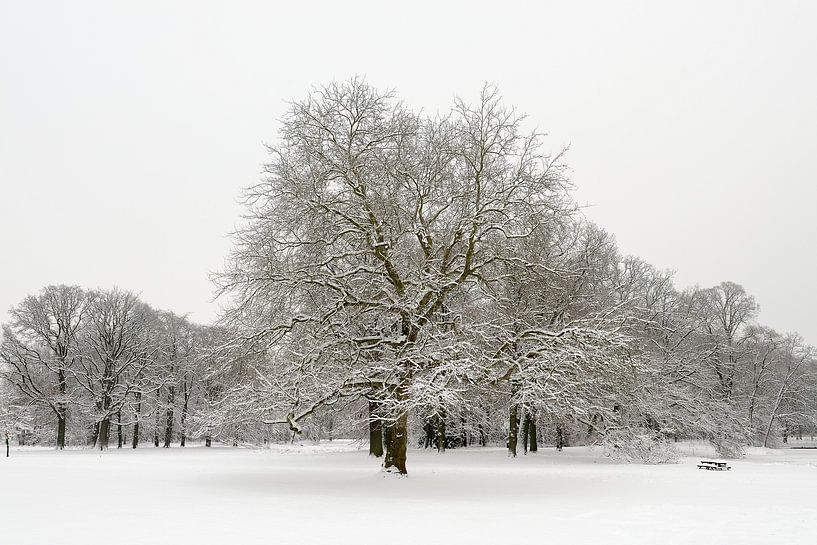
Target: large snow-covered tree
[{"x": 371, "y": 221}]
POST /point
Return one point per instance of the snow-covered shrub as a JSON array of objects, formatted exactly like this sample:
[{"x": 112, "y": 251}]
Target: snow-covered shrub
[
  {"x": 639, "y": 446},
  {"x": 729, "y": 447}
]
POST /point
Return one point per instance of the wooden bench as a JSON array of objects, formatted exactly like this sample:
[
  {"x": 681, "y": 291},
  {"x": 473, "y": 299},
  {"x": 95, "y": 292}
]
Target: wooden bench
[{"x": 714, "y": 466}]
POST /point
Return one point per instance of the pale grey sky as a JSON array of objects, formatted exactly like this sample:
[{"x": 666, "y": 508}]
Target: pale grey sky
[{"x": 128, "y": 129}]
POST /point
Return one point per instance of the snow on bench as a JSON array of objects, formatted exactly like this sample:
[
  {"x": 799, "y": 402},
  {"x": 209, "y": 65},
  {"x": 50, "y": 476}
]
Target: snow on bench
[{"x": 714, "y": 466}]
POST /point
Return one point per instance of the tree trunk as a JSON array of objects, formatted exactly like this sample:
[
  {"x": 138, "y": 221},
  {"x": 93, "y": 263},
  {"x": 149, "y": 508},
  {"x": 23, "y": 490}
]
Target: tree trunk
[
  {"x": 428, "y": 429},
  {"x": 397, "y": 436},
  {"x": 184, "y": 417},
  {"x": 95, "y": 435},
  {"x": 441, "y": 432},
  {"x": 104, "y": 432},
  {"x": 207, "y": 441},
  {"x": 109, "y": 383},
  {"x": 7, "y": 444},
  {"x": 463, "y": 432},
  {"x": 158, "y": 418},
  {"x": 61, "y": 418},
  {"x": 135, "y": 440},
  {"x": 375, "y": 431},
  {"x": 483, "y": 439},
  {"x": 61, "y": 430},
  {"x": 560, "y": 437},
  {"x": 534, "y": 441},
  {"x": 397, "y": 442},
  {"x": 513, "y": 429},
  {"x": 171, "y": 394},
  {"x": 780, "y": 394},
  {"x": 525, "y": 433},
  {"x": 120, "y": 438}
]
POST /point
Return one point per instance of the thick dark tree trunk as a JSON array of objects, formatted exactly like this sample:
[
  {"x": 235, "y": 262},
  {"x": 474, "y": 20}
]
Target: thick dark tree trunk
[
  {"x": 513, "y": 421},
  {"x": 397, "y": 436},
  {"x": 483, "y": 439},
  {"x": 61, "y": 406},
  {"x": 61, "y": 430},
  {"x": 525, "y": 432},
  {"x": 513, "y": 429},
  {"x": 171, "y": 394},
  {"x": 208, "y": 442},
  {"x": 104, "y": 433},
  {"x": 375, "y": 431},
  {"x": 534, "y": 442},
  {"x": 463, "y": 432},
  {"x": 7, "y": 444},
  {"x": 396, "y": 445}
]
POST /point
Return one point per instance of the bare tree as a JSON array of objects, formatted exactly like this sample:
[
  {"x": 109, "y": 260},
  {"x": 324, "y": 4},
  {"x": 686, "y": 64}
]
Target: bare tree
[
  {"x": 40, "y": 348},
  {"x": 178, "y": 358},
  {"x": 725, "y": 313},
  {"x": 796, "y": 359},
  {"x": 117, "y": 355}
]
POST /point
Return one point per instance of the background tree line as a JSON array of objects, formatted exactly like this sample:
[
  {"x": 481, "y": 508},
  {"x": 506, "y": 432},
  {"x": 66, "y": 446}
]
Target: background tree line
[{"x": 100, "y": 367}]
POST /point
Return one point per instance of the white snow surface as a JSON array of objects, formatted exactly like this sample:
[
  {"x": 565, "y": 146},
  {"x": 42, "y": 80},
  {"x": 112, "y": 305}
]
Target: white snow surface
[{"x": 333, "y": 493}]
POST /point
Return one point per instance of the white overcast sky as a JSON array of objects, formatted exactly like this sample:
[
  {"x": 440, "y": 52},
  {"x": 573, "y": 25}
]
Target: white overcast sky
[{"x": 127, "y": 129}]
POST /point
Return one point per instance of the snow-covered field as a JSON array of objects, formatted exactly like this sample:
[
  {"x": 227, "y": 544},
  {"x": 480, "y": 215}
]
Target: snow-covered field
[{"x": 335, "y": 494}]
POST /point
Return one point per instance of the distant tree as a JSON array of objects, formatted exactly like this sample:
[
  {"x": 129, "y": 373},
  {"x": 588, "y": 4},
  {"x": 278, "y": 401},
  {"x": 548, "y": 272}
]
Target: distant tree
[
  {"x": 788, "y": 400},
  {"x": 117, "y": 356},
  {"x": 764, "y": 348},
  {"x": 178, "y": 340},
  {"x": 40, "y": 348},
  {"x": 15, "y": 413},
  {"x": 725, "y": 313}
]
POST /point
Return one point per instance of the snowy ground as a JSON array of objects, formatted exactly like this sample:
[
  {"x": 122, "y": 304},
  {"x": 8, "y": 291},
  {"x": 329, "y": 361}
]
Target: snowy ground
[{"x": 335, "y": 494}]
